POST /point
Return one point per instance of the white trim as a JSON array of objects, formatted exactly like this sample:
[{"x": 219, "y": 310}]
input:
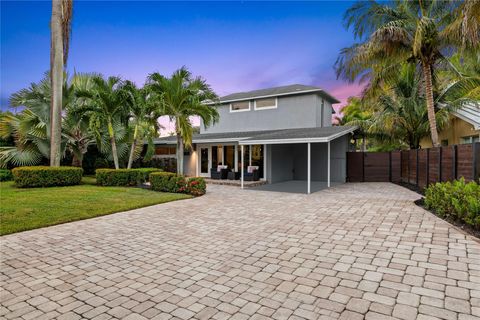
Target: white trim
[
  {"x": 241, "y": 110},
  {"x": 241, "y": 174},
  {"x": 474, "y": 124},
  {"x": 299, "y": 140},
  {"x": 264, "y": 108},
  {"x": 291, "y": 93},
  {"x": 309, "y": 166},
  {"x": 218, "y": 140},
  {"x": 236, "y": 157},
  {"x": 264, "y": 163},
  {"x": 328, "y": 164}
]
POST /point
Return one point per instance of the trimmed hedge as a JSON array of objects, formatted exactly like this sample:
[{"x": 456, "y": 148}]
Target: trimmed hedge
[
  {"x": 43, "y": 176},
  {"x": 123, "y": 177},
  {"x": 456, "y": 200},
  {"x": 170, "y": 182},
  {"x": 5, "y": 175}
]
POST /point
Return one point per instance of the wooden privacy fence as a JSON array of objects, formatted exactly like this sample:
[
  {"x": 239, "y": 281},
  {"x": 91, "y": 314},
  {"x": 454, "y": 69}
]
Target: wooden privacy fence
[{"x": 418, "y": 167}]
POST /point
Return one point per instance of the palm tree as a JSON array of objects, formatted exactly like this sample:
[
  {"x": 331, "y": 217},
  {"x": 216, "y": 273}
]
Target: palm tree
[
  {"x": 31, "y": 127},
  {"x": 143, "y": 117},
  {"x": 60, "y": 40},
  {"x": 354, "y": 113},
  {"x": 106, "y": 105},
  {"x": 181, "y": 97},
  {"x": 401, "y": 116},
  {"x": 393, "y": 33}
]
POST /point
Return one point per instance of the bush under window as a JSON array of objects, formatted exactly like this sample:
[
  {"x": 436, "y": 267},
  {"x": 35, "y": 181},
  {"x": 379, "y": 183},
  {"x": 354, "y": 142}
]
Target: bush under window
[{"x": 43, "y": 176}]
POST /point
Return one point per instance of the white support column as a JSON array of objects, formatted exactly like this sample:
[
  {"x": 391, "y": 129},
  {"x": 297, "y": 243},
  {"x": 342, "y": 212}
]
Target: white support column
[
  {"x": 250, "y": 155},
  {"x": 241, "y": 172},
  {"x": 236, "y": 158},
  {"x": 309, "y": 172},
  {"x": 328, "y": 164}
]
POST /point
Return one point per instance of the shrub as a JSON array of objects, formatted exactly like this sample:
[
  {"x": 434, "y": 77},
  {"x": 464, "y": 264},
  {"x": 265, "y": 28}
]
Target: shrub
[
  {"x": 196, "y": 186},
  {"x": 145, "y": 172},
  {"x": 163, "y": 181},
  {"x": 455, "y": 200},
  {"x": 5, "y": 175},
  {"x": 170, "y": 182},
  {"x": 42, "y": 176}
]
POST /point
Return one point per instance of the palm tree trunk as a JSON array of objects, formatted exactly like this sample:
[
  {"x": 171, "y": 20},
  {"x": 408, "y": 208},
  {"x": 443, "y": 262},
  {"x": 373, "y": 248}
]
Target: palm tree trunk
[
  {"x": 427, "y": 73},
  {"x": 56, "y": 76},
  {"x": 77, "y": 160},
  {"x": 364, "y": 144},
  {"x": 179, "y": 154},
  {"x": 114, "y": 145},
  {"x": 132, "y": 149}
]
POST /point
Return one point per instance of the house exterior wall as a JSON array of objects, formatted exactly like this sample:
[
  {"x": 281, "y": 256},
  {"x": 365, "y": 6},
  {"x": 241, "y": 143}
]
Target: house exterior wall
[
  {"x": 279, "y": 162},
  {"x": 456, "y": 130},
  {"x": 296, "y": 111},
  {"x": 190, "y": 164}
]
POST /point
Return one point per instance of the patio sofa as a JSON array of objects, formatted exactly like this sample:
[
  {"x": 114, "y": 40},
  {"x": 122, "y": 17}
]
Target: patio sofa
[
  {"x": 252, "y": 174},
  {"x": 219, "y": 173}
]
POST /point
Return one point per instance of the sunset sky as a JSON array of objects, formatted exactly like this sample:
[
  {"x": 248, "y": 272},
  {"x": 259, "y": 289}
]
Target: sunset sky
[{"x": 235, "y": 46}]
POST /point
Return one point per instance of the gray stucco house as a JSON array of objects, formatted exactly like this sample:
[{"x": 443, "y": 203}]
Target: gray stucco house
[{"x": 285, "y": 131}]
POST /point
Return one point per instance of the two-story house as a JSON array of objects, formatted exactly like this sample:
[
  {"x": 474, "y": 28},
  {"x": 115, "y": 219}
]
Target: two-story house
[{"x": 285, "y": 131}]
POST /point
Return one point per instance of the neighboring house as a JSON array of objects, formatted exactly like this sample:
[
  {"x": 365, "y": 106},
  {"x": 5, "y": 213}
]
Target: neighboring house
[
  {"x": 285, "y": 131},
  {"x": 463, "y": 127}
]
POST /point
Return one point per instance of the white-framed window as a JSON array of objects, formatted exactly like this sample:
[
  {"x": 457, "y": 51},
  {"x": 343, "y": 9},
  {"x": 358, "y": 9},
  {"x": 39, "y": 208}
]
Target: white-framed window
[
  {"x": 265, "y": 103},
  {"x": 240, "y": 106},
  {"x": 471, "y": 139}
]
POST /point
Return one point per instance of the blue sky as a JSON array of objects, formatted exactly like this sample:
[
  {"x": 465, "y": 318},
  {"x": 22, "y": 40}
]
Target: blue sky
[{"x": 236, "y": 46}]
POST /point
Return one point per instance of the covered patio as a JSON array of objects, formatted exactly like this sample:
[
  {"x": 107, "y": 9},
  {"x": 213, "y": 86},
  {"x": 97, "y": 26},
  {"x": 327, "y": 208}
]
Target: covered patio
[{"x": 304, "y": 160}]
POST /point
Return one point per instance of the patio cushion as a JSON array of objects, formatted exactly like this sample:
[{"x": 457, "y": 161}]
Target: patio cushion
[
  {"x": 250, "y": 169},
  {"x": 220, "y": 167}
]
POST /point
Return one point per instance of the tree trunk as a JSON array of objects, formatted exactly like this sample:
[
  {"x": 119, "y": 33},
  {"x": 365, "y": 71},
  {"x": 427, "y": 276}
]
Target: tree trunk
[
  {"x": 114, "y": 145},
  {"x": 56, "y": 78},
  {"x": 77, "y": 160},
  {"x": 427, "y": 74},
  {"x": 364, "y": 144},
  {"x": 132, "y": 149},
  {"x": 179, "y": 154}
]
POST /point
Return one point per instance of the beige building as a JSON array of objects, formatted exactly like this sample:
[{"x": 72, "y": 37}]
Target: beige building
[{"x": 464, "y": 127}]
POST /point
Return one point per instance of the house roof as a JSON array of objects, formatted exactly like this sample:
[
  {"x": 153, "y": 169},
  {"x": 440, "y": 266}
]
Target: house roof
[
  {"x": 300, "y": 135},
  {"x": 469, "y": 113},
  {"x": 275, "y": 92}
]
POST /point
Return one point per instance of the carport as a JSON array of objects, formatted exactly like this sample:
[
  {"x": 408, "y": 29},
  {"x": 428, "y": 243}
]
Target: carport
[{"x": 303, "y": 160}]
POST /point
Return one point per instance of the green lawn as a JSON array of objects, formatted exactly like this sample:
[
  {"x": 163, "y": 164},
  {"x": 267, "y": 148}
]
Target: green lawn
[{"x": 26, "y": 209}]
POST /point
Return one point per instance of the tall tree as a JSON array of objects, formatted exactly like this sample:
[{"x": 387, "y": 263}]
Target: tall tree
[
  {"x": 143, "y": 118},
  {"x": 400, "y": 116},
  {"x": 181, "y": 97},
  {"x": 60, "y": 25},
  {"x": 395, "y": 32},
  {"x": 106, "y": 106}
]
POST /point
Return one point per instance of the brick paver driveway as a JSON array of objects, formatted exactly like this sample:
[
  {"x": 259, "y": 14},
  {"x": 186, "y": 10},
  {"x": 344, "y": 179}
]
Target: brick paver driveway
[{"x": 354, "y": 251}]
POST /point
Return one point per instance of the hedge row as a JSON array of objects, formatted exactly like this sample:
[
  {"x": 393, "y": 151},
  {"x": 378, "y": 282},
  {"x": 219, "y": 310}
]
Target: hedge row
[
  {"x": 170, "y": 182},
  {"x": 43, "y": 176},
  {"x": 5, "y": 175},
  {"x": 456, "y": 200},
  {"x": 123, "y": 177}
]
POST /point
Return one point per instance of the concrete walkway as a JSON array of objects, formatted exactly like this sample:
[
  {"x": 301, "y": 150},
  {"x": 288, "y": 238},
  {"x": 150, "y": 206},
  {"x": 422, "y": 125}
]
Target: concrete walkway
[{"x": 350, "y": 252}]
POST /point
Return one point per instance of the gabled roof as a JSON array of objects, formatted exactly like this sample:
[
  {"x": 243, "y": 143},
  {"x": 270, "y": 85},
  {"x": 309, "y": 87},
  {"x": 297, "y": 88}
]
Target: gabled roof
[
  {"x": 275, "y": 92},
  {"x": 299, "y": 135},
  {"x": 469, "y": 113}
]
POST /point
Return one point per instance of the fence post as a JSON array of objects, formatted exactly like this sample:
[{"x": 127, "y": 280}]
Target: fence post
[
  {"x": 428, "y": 167},
  {"x": 416, "y": 167},
  {"x": 454, "y": 162},
  {"x": 363, "y": 165},
  {"x": 476, "y": 161},
  {"x": 390, "y": 166},
  {"x": 440, "y": 164}
]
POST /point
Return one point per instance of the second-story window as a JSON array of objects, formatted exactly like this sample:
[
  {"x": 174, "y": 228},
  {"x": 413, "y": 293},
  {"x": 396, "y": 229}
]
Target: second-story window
[
  {"x": 267, "y": 103},
  {"x": 239, "y": 106}
]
